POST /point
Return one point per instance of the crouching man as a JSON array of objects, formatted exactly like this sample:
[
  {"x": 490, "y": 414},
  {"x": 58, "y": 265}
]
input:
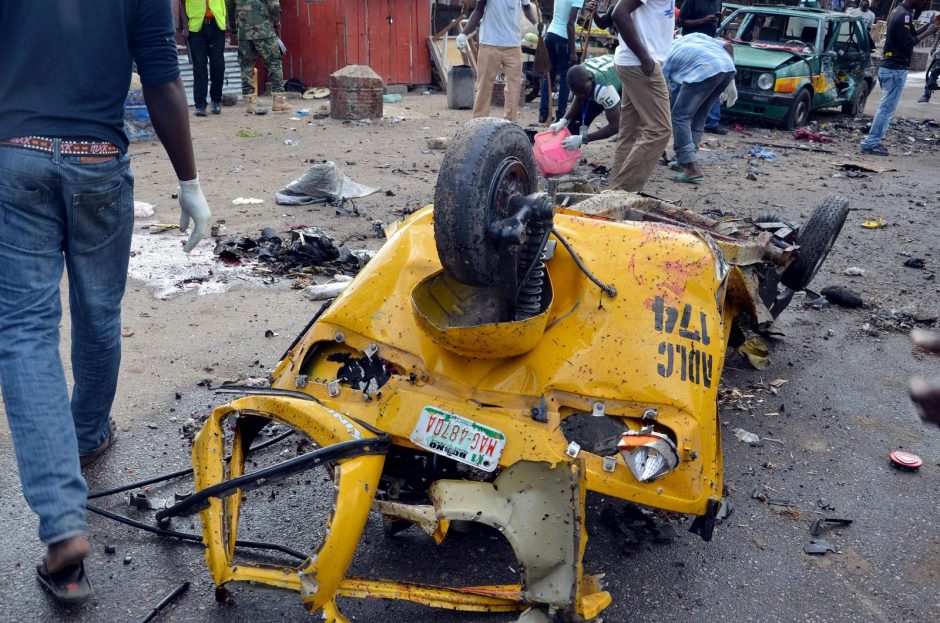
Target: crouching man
[{"x": 596, "y": 89}]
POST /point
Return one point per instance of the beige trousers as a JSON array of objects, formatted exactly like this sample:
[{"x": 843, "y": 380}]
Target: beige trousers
[
  {"x": 490, "y": 59},
  {"x": 645, "y": 127}
]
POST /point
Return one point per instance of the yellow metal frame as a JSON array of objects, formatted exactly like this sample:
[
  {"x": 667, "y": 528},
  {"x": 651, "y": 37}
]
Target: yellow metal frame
[{"x": 659, "y": 344}]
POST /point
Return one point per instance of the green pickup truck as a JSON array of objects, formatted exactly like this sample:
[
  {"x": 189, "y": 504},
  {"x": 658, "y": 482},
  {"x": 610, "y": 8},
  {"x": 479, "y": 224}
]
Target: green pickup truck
[{"x": 793, "y": 60}]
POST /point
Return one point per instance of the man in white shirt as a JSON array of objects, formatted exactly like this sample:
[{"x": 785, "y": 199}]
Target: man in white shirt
[
  {"x": 500, "y": 48},
  {"x": 645, "y": 30},
  {"x": 864, "y": 10}
]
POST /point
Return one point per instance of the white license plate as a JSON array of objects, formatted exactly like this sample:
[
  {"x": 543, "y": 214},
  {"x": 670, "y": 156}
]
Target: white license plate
[{"x": 457, "y": 437}]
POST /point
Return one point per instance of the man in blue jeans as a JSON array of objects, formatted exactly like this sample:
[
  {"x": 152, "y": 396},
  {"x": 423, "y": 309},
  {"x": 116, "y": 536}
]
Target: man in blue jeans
[
  {"x": 900, "y": 38},
  {"x": 562, "y": 53},
  {"x": 701, "y": 67},
  {"x": 66, "y": 202}
]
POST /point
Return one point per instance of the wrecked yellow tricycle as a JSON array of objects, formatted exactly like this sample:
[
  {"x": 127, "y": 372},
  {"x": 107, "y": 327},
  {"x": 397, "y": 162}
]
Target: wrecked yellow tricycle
[{"x": 497, "y": 360}]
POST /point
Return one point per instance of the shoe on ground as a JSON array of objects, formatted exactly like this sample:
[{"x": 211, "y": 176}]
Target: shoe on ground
[
  {"x": 200, "y": 111},
  {"x": 216, "y": 108},
  {"x": 877, "y": 150},
  {"x": 923, "y": 100},
  {"x": 90, "y": 457},
  {"x": 717, "y": 129},
  {"x": 543, "y": 118}
]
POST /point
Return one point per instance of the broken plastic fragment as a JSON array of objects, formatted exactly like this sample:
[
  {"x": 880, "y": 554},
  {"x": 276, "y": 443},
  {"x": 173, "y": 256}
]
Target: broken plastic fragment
[
  {"x": 756, "y": 352},
  {"x": 876, "y": 223},
  {"x": 746, "y": 437}
]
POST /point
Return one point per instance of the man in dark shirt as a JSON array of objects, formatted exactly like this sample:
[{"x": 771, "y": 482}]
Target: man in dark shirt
[
  {"x": 900, "y": 38},
  {"x": 704, "y": 16},
  {"x": 66, "y": 201}
]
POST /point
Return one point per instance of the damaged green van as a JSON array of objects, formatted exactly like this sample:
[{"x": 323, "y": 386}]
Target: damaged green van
[{"x": 792, "y": 61}]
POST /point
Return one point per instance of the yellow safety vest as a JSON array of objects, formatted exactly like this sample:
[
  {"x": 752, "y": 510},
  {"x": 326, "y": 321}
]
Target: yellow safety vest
[{"x": 196, "y": 12}]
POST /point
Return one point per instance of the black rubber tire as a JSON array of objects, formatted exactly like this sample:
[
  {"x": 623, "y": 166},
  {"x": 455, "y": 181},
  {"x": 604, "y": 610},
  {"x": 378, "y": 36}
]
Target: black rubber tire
[
  {"x": 856, "y": 106},
  {"x": 816, "y": 237},
  {"x": 799, "y": 111},
  {"x": 462, "y": 207}
]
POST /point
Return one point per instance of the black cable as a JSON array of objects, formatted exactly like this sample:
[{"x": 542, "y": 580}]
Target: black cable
[
  {"x": 609, "y": 290},
  {"x": 185, "y": 536},
  {"x": 180, "y": 473}
]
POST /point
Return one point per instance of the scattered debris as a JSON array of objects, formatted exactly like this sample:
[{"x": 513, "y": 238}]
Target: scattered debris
[
  {"x": 321, "y": 183},
  {"x": 634, "y": 524},
  {"x": 759, "y": 151},
  {"x": 906, "y": 461},
  {"x": 851, "y": 165},
  {"x": 441, "y": 142},
  {"x": 854, "y": 271},
  {"x": 843, "y": 297},
  {"x": 143, "y": 210},
  {"x": 391, "y": 98},
  {"x": 746, "y": 437},
  {"x": 324, "y": 291},
  {"x": 166, "y": 601},
  {"x": 269, "y": 333},
  {"x": 756, "y": 352},
  {"x": 803, "y": 134},
  {"x": 125, "y": 332},
  {"x": 819, "y": 547},
  {"x": 915, "y": 262},
  {"x": 877, "y": 223},
  {"x": 244, "y": 201},
  {"x": 159, "y": 228},
  {"x": 826, "y": 522}
]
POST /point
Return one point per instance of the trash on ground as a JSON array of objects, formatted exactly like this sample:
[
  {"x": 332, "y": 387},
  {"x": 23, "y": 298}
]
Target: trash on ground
[
  {"x": 915, "y": 262},
  {"x": 906, "y": 461},
  {"x": 819, "y": 547},
  {"x": 854, "y": 271},
  {"x": 441, "y": 142},
  {"x": 324, "y": 291},
  {"x": 746, "y": 437},
  {"x": 143, "y": 210},
  {"x": 293, "y": 142},
  {"x": 843, "y": 297},
  {"x": 159, "y": 228},
  {"x": 391, "y": 98},
  {"x": 851, "y": 165},
  {"x": 876, "y": 223},
  {"x": 759, "y": 151},
  {"x": 828, "y": 522},
  {"x": 321, "y": 183},
  {"x": 245, "y": 201},
  {"x": 756, "y": 352},
  {"x": 803, "y": 134}
]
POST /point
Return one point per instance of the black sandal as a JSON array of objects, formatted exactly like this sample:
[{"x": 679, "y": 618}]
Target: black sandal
[{"x": 67, "y": 585}]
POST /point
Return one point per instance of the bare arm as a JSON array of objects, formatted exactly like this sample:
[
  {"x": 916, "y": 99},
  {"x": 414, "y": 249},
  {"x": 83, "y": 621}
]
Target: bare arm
[
  {"x": 572, "y": 45},
  {"x": 573, "y": 108},
  {"x": 170, "y": 117},
  {"x": 612, "y": 127},
  {"x": 529, "y": 13},
  {"x": 474, "y": 20},
  {"x": 623, "y": 18}
]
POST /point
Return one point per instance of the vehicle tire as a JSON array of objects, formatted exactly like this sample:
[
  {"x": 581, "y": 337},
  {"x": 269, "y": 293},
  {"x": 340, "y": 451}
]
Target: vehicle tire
[
  {"x": 856, "y": 106},
  {"x": 815, "y": 238},
  {"x": 799, "y": 111},
  {"x": 490, "y": 161}
]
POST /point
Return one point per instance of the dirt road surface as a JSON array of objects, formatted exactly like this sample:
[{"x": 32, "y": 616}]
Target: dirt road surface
[{"x": 842, "y": 409}]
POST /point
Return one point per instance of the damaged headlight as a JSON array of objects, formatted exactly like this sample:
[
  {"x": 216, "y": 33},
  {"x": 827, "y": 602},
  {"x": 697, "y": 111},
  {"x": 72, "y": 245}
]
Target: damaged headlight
[
  {"x": 765, "y": 81},
  {"x": 648, "y": 454}
]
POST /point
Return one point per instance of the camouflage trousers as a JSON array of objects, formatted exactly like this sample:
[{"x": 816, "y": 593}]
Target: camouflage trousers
[{"x": 248, "y": 52}]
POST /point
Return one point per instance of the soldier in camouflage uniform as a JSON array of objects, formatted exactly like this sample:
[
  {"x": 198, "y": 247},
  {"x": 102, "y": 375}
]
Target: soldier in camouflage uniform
[{"x": 256, "y": 24}]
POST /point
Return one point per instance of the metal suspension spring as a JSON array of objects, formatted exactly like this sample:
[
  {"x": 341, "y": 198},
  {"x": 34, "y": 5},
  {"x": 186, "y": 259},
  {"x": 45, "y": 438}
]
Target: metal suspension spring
[{"x": 529, "y": 298}]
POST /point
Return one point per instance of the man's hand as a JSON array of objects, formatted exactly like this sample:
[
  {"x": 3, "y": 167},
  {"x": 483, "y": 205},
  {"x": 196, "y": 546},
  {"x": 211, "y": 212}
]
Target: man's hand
[
  {"x": 647, "y": 65},
  {"x": 193, "y": 206},
  {"x": 462, "y": 43},
  {"x": 572, "y": 142},
  {"x": 559, "y": 125}
]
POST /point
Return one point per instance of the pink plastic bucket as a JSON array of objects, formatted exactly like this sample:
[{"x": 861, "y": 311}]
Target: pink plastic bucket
[{"x": 550, "y": 157}]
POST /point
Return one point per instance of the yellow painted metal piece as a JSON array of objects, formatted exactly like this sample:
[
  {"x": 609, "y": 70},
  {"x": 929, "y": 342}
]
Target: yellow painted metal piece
[{"x": 501, "y": 598}]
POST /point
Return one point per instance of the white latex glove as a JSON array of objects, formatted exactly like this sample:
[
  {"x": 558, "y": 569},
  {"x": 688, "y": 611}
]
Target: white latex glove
[
  {"x": 193, "y": 206},
  {"x": 559, "y": 125},
  {"x": 462, "y": 42},
  {"x": 572, "y": 142},
  {"x": 730, "y": 95}
]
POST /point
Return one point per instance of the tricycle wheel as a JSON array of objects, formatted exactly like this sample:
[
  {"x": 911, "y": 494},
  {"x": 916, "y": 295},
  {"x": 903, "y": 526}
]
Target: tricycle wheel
[
  {"x": 799, "y": 111},
  {"x": 489, "y": 162},
  {"x": 815, "y": 239},
  {"x": 856, "y": 105}
]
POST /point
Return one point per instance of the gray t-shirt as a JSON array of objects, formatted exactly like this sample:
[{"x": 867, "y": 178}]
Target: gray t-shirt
[{"x": 500, "y": 23}]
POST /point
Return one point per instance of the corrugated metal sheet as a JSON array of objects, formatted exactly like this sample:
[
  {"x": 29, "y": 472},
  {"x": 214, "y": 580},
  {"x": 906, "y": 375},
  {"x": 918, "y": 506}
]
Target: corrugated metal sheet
[
  {"x": 390, "y": 36},
  {"x": 232, "y": 83}
]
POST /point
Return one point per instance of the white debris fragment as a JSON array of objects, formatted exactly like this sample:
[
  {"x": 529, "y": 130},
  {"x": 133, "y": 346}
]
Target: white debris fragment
[
  {"x": 746, "y": 437},
  {"x": 143, "y": 210},
  {"x": 323, "y": 291},
  {"x": 854, "y": 271},
  {"x": 245, "y": 201}
]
